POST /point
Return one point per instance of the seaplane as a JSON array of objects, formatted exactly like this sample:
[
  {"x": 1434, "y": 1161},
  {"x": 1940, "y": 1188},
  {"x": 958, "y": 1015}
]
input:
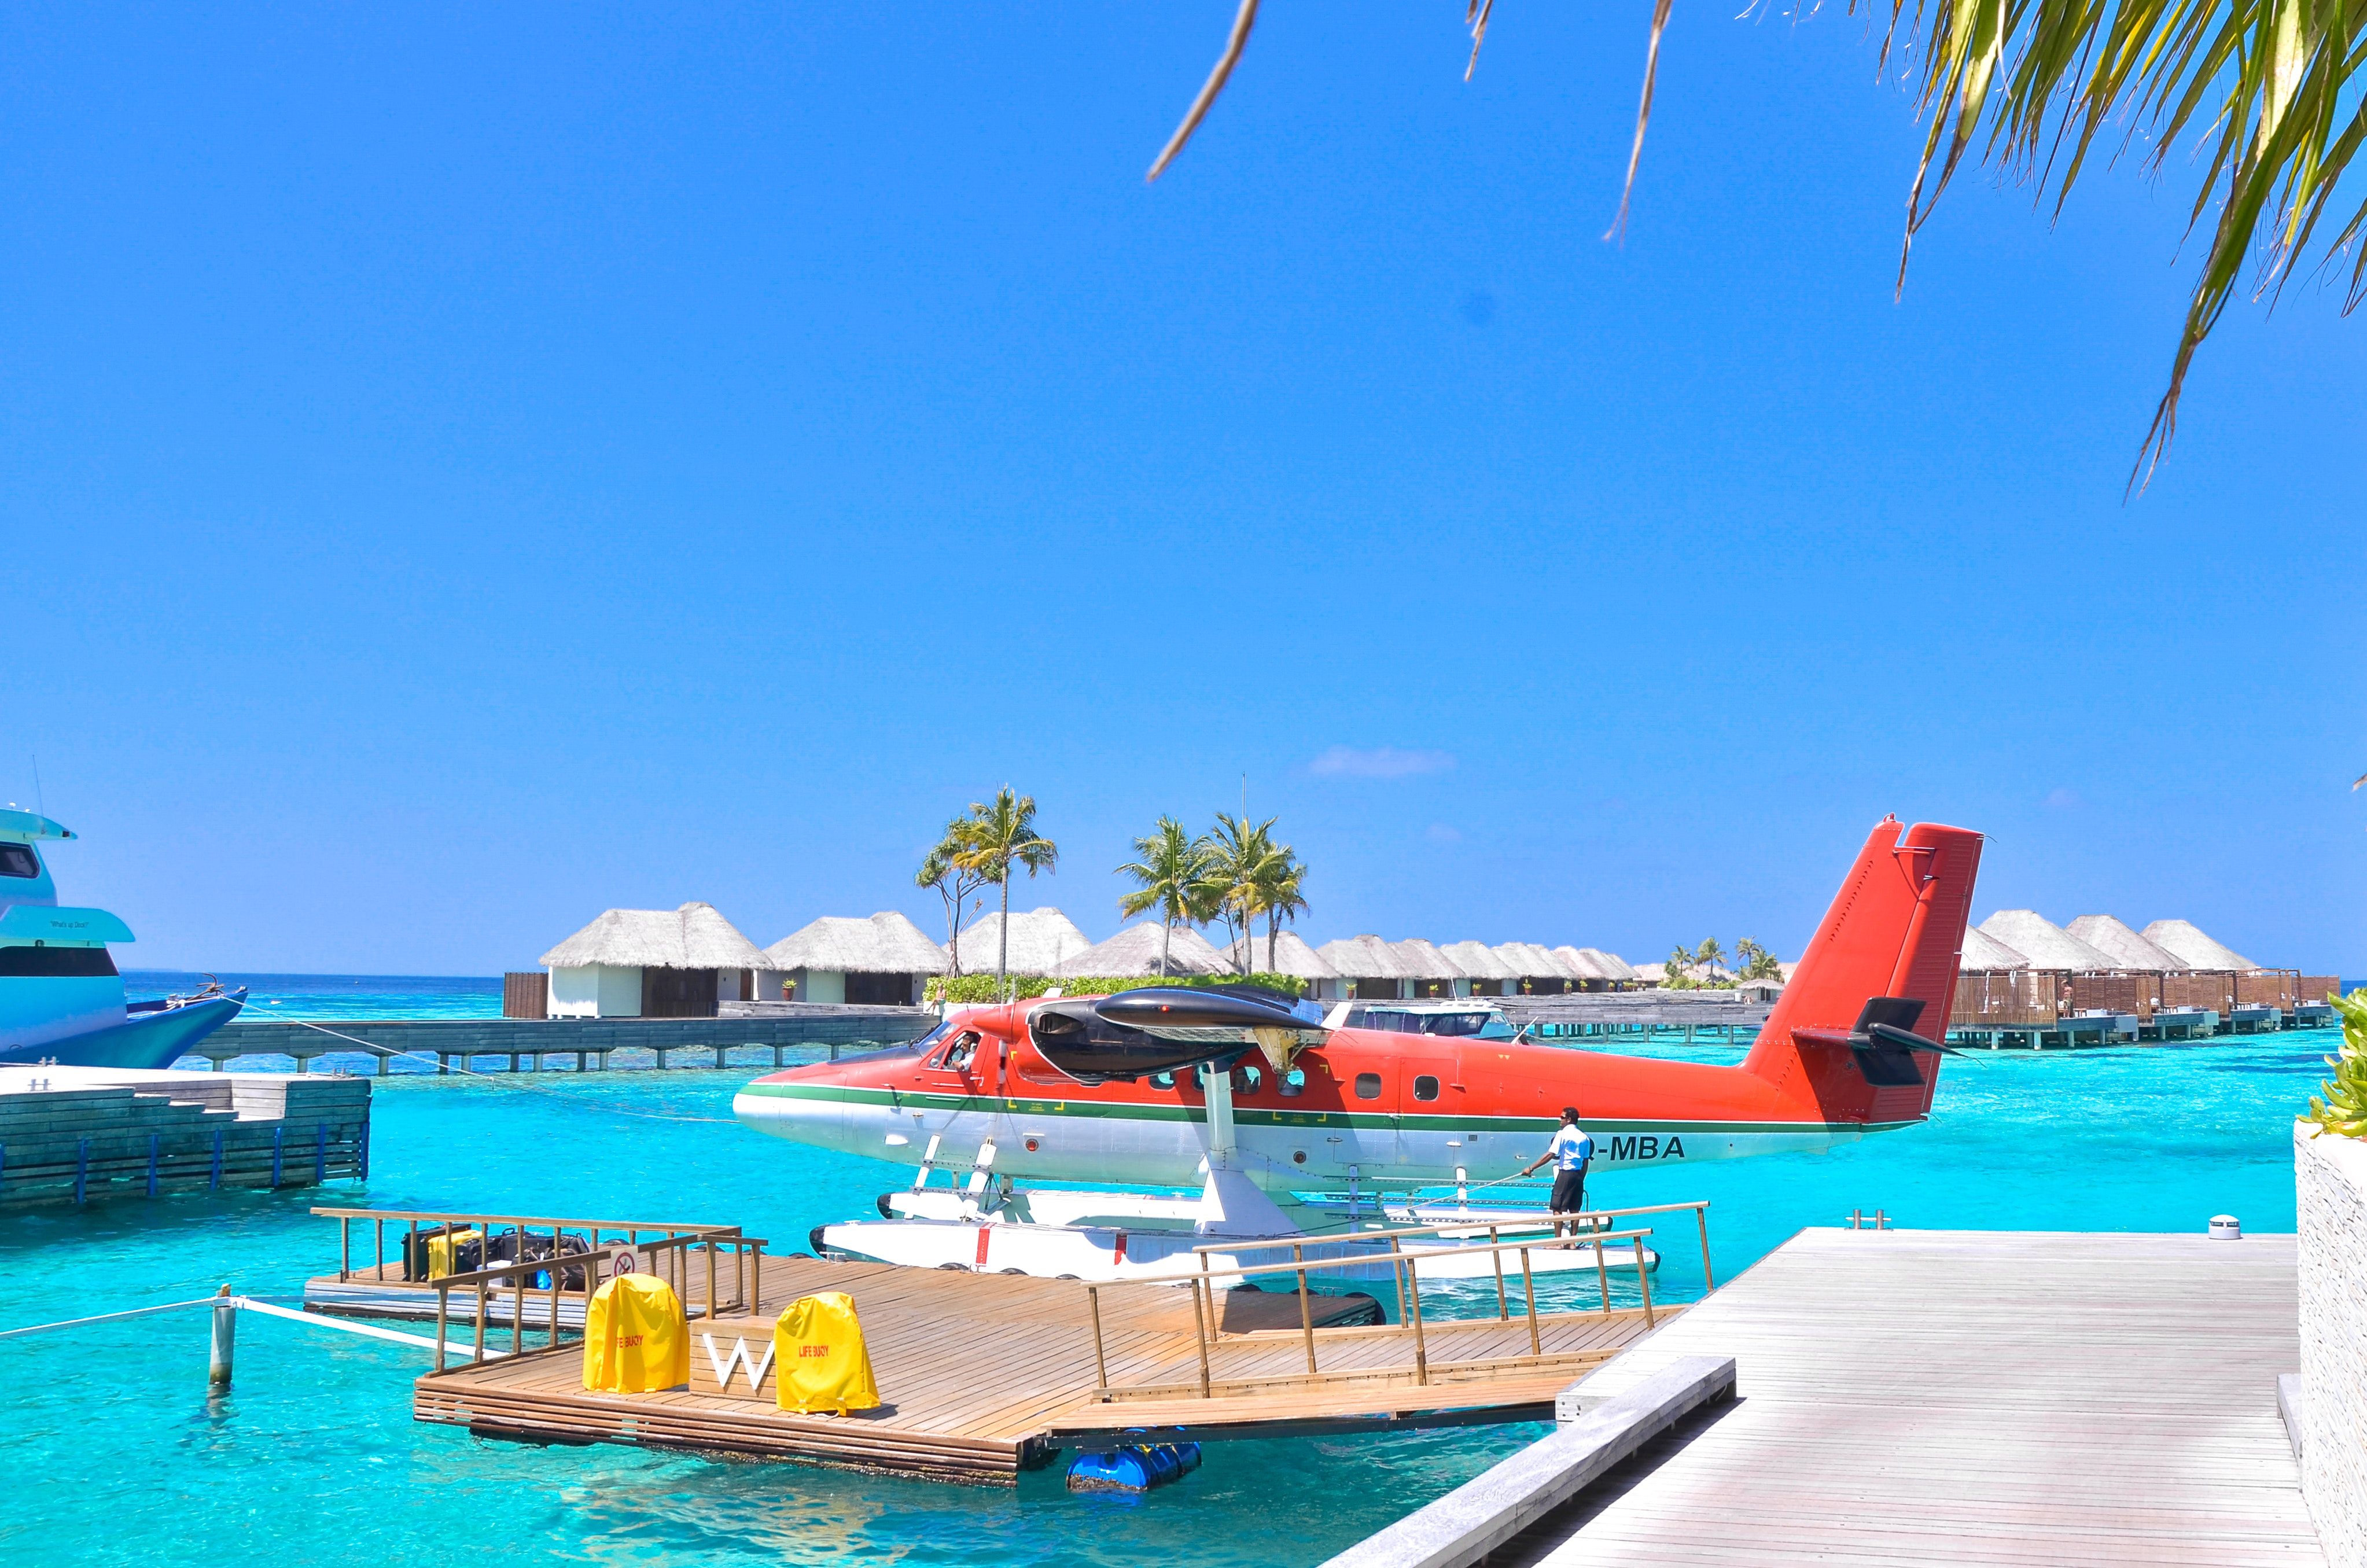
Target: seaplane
[{"x": 1290, "y": 1124}]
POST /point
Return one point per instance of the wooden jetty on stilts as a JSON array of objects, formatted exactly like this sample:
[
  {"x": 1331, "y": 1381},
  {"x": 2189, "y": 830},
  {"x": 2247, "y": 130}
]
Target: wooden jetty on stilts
[{"x": 980, "y": 1375}]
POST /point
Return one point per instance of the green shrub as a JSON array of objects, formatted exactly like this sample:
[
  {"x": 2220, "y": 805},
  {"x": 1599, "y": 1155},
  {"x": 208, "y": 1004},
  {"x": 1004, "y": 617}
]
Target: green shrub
[
  {"x": 962, "y": 989},
  {"x": 2343, "y": 1108}
]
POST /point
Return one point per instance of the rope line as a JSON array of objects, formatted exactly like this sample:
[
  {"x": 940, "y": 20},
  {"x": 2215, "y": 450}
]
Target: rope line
[
  {"x": 251, "y": 1305},
  {"x": 107, "y": 1317}
]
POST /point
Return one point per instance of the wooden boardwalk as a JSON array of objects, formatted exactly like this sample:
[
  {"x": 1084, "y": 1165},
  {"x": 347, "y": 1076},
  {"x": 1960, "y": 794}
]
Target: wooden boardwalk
[
  {"x": 1936, "y": 1397},
  {"x": 983, "y": 1375}
]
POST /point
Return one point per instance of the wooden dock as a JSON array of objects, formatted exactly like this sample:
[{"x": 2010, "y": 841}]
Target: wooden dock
[
  {"x": 73, "y": 1135},
  {"x": 982, "y": 1375},
  {"x": 1939, "y": 1397},
  {"x": 811, "y": 1032}
]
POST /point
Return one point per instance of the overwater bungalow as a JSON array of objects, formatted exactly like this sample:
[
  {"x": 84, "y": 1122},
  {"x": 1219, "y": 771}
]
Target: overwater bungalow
[
  {"x": 1041, "y": 940},
  {"x": 653, "y": 964},
  {"x": 2195, "y": 948},
  {"x": 1427, "y": 971},
  {"x": 1134, "y": 952},
  {"x": 1483, "y": 974},
  {"x": 2114, "y": 939},
  {"x": 1536, "y": 970},
  {"x": 1596, "y": 969},
  {"x": 2041, "y": 943},
  {"x": 1368, "y": 967},
  {"x": 883, "y": 962},
  {"x": 1292, "y": 956}
]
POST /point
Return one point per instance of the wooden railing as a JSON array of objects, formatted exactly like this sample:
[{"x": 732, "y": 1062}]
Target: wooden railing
[
  {"x": 619, "y": 1231},
  {"x": 1558, "y": 1233},
  {"x": 669, "y": 1259},
  {"x": 662, "y": 1247}
]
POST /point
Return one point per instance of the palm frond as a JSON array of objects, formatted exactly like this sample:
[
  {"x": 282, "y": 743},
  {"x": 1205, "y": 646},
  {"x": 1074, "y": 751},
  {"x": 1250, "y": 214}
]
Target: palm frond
[
  {"x": 1244, "y": 19},
  {"x": 2268, "y": 87}
]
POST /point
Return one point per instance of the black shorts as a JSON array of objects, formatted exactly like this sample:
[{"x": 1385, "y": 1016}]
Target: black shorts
[{"x": 1569, "y": 1193}]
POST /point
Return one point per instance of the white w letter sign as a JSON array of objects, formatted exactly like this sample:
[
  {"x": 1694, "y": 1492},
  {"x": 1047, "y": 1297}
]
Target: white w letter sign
[{"x": 725, "y": 1366}]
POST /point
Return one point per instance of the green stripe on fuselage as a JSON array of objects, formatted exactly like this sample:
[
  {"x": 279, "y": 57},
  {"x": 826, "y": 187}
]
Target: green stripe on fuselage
[{"x": 1249, "y": 1116}]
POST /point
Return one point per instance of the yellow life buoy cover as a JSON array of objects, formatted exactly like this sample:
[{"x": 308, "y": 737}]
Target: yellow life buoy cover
[
  {"x": 635, "y": 1338},
  {"x": 819, "y": 1359}
]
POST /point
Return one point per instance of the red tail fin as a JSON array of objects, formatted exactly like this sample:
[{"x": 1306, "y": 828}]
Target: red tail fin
[{"x": 1880, "y": 972}]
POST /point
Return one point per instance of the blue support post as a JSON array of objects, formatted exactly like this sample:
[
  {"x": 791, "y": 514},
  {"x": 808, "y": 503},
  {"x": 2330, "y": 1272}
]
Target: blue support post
[
  {"x": 320, "y": 1153},
  {"x": 155, "y": 1142},
  {"x": 276, "y": 1141},
  {"x": 365, "y": 1176},
  {"x": 82, "y": 1165},
  {"x": 214, "y": 1182}
]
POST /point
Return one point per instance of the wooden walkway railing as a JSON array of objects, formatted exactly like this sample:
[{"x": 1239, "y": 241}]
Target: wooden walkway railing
[
  {"x": 607, "y": 1247},
  {"x": 1562, "y": 1234}
]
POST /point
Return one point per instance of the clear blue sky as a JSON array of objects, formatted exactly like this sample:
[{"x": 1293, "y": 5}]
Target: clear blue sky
[{"x": 467, "y": 468}]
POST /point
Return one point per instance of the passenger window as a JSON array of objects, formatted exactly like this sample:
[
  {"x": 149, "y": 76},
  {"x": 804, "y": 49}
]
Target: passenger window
[
  {"x": 1426, "y": 1088},
  {"x": 1247, "y": 1080},
  {"x": 958, "y": 1054},
  {"x": 15, "y": 860},
  {"x": 1162, "y": 1080},
  {"x": 1294, "y": 1083},
  {"x": 1368, "y": 1085}
]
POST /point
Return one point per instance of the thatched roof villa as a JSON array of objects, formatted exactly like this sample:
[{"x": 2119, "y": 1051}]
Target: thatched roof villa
[
  {"x": 1596, "y": 969},
  {"x": 880, "y": 962},
  {"x": 2196, "y": 950},
  {"x": 1041, "y": 941},
  {"x": 1485, "y": 974},
  {"x": 2110, "y": 937},
  {"x": 2044, "y": 943},
  {"x": 1536, "y": 971},
  {"x": 653, "y": 964},
  {"x": 1983, "y": 952},
  {"x": 1369, "y": 967},
  {"x": 1427, "y": 971},
  {"x": 1134, "y": 952}
]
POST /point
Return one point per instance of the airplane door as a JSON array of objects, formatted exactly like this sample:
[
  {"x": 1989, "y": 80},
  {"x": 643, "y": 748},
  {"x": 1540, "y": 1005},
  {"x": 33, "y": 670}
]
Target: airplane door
[{"x": 1429, "y": 1103}]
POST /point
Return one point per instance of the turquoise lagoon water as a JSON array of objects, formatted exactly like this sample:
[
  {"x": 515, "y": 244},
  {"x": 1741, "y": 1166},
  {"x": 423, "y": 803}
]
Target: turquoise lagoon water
[
  {"x": 117, "y": 1451},
  {"x": 327, "y": 996}
]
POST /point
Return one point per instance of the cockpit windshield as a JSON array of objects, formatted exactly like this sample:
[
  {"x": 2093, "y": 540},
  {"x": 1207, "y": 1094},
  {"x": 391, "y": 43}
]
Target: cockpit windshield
[
  {"x": 18, "y": 860},
  {"x": 1477, "y": 1024}
]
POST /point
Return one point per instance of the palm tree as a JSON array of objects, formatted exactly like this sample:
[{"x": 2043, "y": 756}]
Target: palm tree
[
  {"x": 1279, "y": 882},
  {"x": 1236, "y": 850},
  {"x": 2268, "y": 87},
  {"x": 1003, "y": 834},
  {"x": 1755, "y": 961},
  {"x": 942, "y": 869},
  {"x": 1171, "y": 876},
  {"x": 1707, "y": 955}
]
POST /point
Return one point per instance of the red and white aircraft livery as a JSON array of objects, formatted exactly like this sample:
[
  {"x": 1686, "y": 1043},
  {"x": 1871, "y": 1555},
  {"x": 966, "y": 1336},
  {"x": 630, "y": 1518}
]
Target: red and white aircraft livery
[{"x": 1117, "y": 1089}]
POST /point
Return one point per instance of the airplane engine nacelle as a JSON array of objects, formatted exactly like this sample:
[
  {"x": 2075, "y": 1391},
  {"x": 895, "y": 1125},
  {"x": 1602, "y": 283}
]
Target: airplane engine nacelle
[{"x": 1168, "y": 1030}]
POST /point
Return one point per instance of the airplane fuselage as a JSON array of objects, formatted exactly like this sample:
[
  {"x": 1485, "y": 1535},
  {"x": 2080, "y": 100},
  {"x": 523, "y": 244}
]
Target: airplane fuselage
[{"x": 1365, "y": 1104}]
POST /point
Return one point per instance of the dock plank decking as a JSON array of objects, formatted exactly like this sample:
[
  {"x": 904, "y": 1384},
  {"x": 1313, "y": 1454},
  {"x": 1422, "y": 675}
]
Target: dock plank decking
[
  {"x": 980, "y": 1375},
  {"x": 1940, "y": 1397}
]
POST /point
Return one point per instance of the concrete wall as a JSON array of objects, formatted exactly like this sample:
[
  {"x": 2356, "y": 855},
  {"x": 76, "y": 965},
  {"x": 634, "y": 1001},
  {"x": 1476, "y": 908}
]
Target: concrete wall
[
  {"x": 596, "y": 991},
  {"x": 2330, "y": 1178}
]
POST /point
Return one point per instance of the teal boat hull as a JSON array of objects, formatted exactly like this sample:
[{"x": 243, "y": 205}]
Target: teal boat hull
[{"x": 143, "y": 1038}]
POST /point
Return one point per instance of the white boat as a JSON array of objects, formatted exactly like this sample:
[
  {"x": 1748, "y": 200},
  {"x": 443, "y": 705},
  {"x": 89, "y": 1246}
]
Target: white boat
[{"x": 61, "y": 996}]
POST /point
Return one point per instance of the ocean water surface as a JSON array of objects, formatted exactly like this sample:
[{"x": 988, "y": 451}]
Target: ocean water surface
[
  {"x": 328, "y": 996},
  {"x": 118, "y": 1451}
]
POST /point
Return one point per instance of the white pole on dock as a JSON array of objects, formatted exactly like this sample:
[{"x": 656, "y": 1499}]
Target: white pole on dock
[{"x": 226, "y": 1340}]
